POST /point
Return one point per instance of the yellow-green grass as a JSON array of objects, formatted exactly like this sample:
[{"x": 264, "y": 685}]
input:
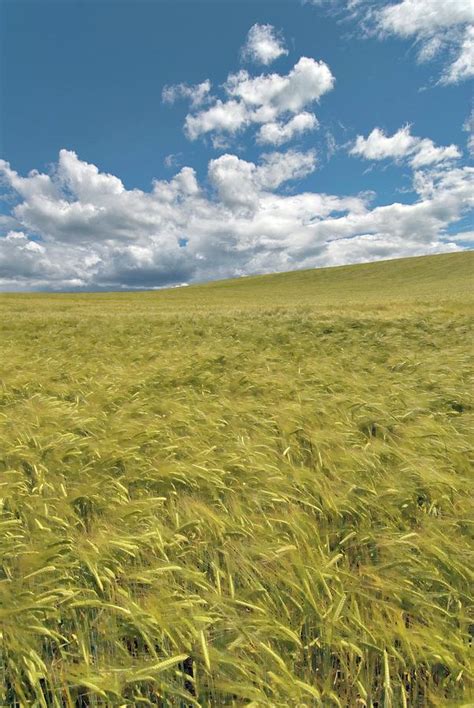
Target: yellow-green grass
[{"x": 247, "y": 493}]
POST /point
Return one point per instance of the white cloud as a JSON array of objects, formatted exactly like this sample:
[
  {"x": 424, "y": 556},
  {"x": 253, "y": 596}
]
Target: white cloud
[
  {"x": 197, "y": 94},
  {"x": 463, "y": 66},
  {"x": 173, "y": 160},
  {"x": 263, "y": 45},
  {"x": 91, "y": 232},
  {"x": 378, "y": 146},
  {"x": 35, "y": 184},
  {"x": 307, "y": 81},
  {"x": 466, "y": 236},
  {"x": 85, "y": 180},
  {"x": 379, "y": 247},
  {"x": 470, "y": 144},
  {"x": 435, "y": 25},
  {"x": 275, "y": 103},
  {"x": 229, "y": 116},
  {"x": 263, "y": 99},
  {"x": 7, "y": 222},
  {"x": 24, "y": 262},
  {"x": 279, "y": 167},
  {"x": 468, "y": 127},
  {"x": 234, "y": 179},
  {"x": 412, "y": 17},
  {"x": 277, "y": 133},
  {"x": 421, "y": 151},
  {"x": 241, "y": 183},
  {"x": 427, "y": 153}
]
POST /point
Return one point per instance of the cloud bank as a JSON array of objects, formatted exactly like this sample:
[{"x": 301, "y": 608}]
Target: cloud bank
[{"x": 79, "y": 228}]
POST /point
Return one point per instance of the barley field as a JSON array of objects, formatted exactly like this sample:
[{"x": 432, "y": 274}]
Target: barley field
[{"x": 248, "y": 493}]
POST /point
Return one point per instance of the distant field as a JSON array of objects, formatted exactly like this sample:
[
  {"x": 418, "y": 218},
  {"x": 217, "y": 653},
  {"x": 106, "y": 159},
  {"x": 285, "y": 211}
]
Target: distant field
[{"x": 255, "y": 492}]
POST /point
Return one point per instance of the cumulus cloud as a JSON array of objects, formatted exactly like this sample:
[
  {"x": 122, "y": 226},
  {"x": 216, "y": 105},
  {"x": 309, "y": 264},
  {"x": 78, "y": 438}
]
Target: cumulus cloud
[
  {"x": 263, "y": 45},
  {"x": 276, "y": 104},
  {"x": 378, "y": 146},
  {"x": 307, "y": 81},
  {"x": 277, "y": 133},
  {"x": 224, "y": 117},
  {"x": 79, "y": 228},
  {"x": 24, "y": 263},
  {"x": 240, "y": 183},
  {"x": 263, "y": 100},
  {"x": 421, "y": 152}
]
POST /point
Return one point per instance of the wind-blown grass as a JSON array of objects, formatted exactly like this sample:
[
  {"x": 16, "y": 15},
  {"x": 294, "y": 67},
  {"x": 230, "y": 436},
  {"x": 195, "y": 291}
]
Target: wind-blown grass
[{"x": 248, "y": 493}]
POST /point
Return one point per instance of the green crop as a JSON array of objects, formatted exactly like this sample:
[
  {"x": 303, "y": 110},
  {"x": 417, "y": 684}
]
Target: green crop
[{"x": 247, "y": 493}]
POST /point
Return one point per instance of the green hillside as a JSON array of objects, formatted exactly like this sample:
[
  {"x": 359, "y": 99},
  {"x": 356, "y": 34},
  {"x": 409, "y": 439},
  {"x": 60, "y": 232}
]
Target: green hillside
[
  {"x": 447, "y": 276},
  {"x": 425, "y": 279},
  {"x": 255, "y": 492}
]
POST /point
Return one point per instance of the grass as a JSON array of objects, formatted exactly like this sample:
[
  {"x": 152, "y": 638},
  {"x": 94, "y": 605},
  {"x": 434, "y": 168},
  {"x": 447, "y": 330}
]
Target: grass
[{"x": 246, "y": 493}]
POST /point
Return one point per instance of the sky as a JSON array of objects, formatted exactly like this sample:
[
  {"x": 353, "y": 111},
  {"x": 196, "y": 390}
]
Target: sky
[{"x": 157, "y": 143}]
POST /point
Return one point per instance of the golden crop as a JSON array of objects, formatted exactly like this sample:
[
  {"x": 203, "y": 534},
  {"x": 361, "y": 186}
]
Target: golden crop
[{"x": 247, "y": 493}]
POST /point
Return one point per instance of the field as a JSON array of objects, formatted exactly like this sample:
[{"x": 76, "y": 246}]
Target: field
[{"x": 246, "y": 493}]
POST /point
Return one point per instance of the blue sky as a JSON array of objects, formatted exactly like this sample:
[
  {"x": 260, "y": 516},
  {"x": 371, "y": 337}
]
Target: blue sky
[{"x": 299, "y": 180}]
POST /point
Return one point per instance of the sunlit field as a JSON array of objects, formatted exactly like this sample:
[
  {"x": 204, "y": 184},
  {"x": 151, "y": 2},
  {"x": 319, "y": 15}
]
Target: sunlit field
[{"x": 246, "y": 493}]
